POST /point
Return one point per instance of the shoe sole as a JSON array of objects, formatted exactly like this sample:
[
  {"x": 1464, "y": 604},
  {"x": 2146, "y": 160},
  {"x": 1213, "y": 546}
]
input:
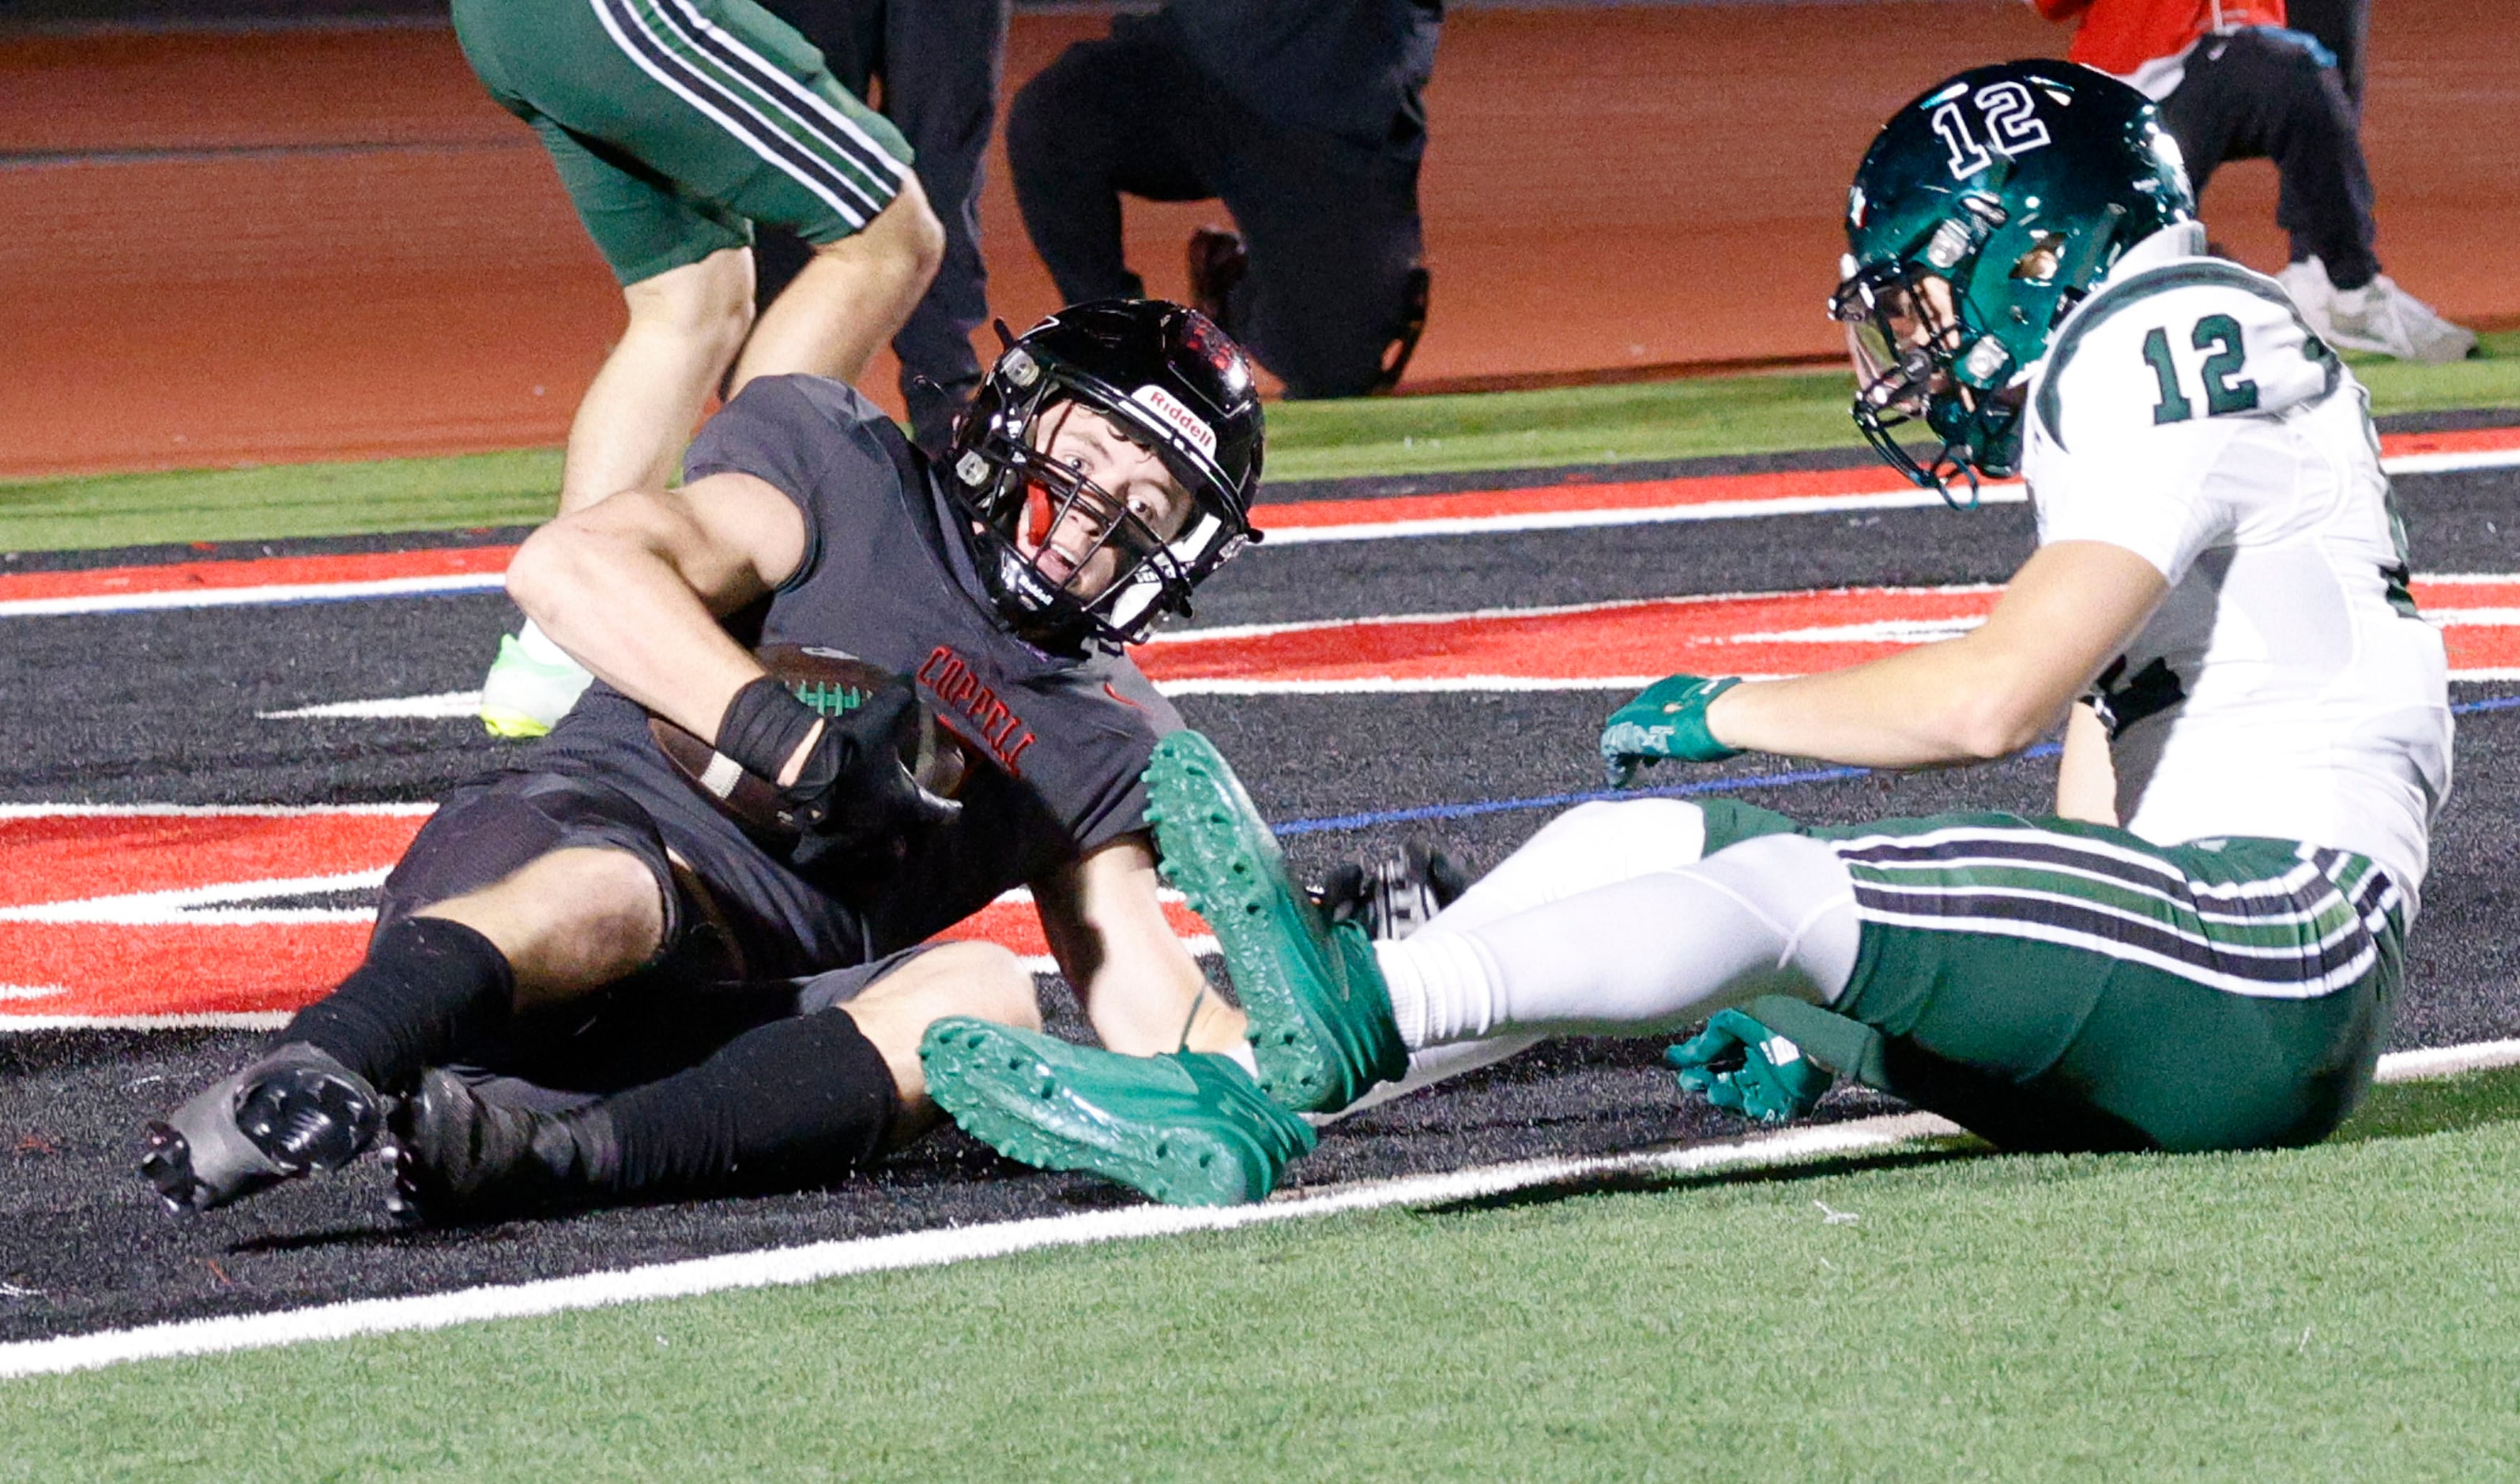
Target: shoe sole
[
  {"x": 513, "y": 726},
  {"x": 209, "y": 1153},
  {"x": 1225, "y": 861},
  {"x": 1002, "y": 1093},
  {"x": 166, "y": 1164}
]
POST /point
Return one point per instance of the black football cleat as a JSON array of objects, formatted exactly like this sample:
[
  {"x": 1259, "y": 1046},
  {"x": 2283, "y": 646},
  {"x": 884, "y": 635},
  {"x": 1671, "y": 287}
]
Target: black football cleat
[
  {"x": 1395, "y": 896},
  {"x": 463, "y": 1155},
  {"x": 1406, "y": 330},
  {"x": 1218, "y": 262},
  {"x": 294, "y": 1110}
]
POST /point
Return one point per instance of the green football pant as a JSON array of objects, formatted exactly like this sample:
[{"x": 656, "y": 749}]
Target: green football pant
[
  {"x": 2051, "y": 984},
  {"x": 676, "y": 125}
]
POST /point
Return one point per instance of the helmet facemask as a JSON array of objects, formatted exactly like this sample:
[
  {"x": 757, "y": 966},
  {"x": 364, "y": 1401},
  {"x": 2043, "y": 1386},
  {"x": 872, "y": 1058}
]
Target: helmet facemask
[
  {"x": 1918, "y": 357},
  {"x": 1041, "y": 524}
]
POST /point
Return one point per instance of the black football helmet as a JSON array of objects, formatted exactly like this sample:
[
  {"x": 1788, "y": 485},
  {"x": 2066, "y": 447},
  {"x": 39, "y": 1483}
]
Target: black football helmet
[{"x": 1170, "y": 380}]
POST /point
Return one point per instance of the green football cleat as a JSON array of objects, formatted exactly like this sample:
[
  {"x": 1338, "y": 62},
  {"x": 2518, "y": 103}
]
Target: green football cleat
[
  {"x": 1321, "y": 1017},
  {"x": 1188, "y": 1129},
  {"x": 524, "y": 698}
]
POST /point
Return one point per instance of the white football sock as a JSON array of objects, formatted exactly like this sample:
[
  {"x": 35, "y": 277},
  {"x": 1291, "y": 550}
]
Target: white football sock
[
  {"x": 1647, "y": 953},
  {"x": 1435, "y": 1064},
  {"x": 1588, "y": 846}
]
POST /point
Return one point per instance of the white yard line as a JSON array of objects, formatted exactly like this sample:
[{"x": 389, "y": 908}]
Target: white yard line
[
  {"x": 1997, "y": 492},
  {"x": 940, "y": 1246},
  {"x": 208, "y": 811},
  {"x": 2007, "y": 492},
  {"x": 214, "y": 1019},
  {"x": 266, "y": 595},
  {"x": 226, "y": 904},
  {"x": 2447, "y": 1061},
  {"x": 934, "y": 1247},
  {"x": 1387, "y": 685},
  {"x": 2446, "y": 463},
  {"x": 446, "y": 706},
  {"x": 1622, "y": 515},
  {"x": 1687, "y": 601}
]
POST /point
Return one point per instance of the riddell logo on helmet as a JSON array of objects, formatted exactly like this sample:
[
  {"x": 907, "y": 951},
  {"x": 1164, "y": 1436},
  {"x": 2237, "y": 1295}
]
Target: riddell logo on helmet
[{"x": 1168, "y": 407}]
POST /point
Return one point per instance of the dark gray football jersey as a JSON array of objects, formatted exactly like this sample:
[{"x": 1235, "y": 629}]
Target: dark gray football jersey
[{"x": 1057, "y": 742}]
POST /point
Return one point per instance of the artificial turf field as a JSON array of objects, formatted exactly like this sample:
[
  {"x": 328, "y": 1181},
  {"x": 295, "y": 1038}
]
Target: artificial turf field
[
  {"x": 2333, "y": 1313},
  {"x": 2328, "y": 1312}
]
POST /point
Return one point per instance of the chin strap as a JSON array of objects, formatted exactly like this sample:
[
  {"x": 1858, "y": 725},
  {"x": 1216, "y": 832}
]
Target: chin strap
[{"x": 1942, "y": 486}]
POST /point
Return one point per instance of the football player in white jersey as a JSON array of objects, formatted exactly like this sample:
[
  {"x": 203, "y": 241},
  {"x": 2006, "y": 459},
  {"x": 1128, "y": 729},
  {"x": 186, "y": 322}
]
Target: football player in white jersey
[{"x": 2200, "y": 949}]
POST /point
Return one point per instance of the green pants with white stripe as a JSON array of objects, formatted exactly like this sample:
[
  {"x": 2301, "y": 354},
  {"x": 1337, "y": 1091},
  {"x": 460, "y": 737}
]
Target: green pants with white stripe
[
  {"x": 676, "y": 125},
  {"x": 2052, "y": 984}
]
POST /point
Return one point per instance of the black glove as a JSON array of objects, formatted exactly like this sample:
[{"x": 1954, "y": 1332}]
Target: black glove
[
  {"x": 1395, "y": 896},
  {"x": 856, "y": 786}
]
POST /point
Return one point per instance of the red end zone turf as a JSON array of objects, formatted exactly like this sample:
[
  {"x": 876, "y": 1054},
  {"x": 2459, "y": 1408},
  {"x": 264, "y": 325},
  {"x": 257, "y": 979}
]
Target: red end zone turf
[
  {"x": 1633, "y": 643},
  {"x": 183, "y": 913},
  {"x": 169, "y": 911}
]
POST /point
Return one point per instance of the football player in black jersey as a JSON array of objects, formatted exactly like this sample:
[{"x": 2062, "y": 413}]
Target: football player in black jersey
[{"x": 592, "y": 980}]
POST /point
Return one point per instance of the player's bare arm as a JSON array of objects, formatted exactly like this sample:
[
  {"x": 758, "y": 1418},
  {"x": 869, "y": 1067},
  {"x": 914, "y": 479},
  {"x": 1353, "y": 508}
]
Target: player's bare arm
[
  {"x": 1985, "y": 694},
  {"x": 634, "y": 588},
  {"x": 2087, "y": 782},
  {"x": 1142, "y": 989}
]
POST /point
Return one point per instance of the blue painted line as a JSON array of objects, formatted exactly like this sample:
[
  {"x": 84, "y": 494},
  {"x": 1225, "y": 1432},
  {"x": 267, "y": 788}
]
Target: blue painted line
[
  {"x": 1567, "y": 801},
  {"x": 1561, "y": 801},
  {"x": 1474, "y": 808}
]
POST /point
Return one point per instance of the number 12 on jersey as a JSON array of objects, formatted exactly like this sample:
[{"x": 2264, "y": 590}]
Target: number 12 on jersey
[{"x": 2226, "y": 390}]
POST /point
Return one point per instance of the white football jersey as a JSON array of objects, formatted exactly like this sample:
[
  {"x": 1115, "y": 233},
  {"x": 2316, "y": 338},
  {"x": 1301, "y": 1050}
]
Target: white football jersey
[{"x": 2285, "y": 688}]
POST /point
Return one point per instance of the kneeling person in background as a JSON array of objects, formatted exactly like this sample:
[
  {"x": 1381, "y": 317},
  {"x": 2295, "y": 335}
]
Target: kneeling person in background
[{"x": 1303, "y": 117}]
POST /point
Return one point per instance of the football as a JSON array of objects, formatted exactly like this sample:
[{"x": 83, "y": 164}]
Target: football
[{"x": 835, "y": 683}]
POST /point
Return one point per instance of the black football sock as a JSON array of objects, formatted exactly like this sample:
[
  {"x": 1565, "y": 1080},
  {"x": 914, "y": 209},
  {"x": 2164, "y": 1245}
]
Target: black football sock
[
  {"x": 792, "y": 1103},
  {"x": 428, "y": 989}
]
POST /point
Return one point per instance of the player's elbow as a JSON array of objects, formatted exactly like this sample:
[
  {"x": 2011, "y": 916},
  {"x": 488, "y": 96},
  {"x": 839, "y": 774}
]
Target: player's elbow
[{"x": 1990, "y": 724}]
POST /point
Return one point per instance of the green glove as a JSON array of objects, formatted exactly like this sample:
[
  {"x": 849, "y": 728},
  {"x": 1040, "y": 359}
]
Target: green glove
[
  {"x": 1667, "y": 719},
  {"x": 1741, "y": 1064}
]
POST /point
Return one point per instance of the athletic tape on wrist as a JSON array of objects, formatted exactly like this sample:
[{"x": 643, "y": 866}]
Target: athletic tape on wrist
[{"x": 763, "y": 727}]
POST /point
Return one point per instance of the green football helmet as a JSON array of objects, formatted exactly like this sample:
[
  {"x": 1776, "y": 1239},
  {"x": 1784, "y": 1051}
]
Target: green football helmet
[{"x": 1984, "y": 211}]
